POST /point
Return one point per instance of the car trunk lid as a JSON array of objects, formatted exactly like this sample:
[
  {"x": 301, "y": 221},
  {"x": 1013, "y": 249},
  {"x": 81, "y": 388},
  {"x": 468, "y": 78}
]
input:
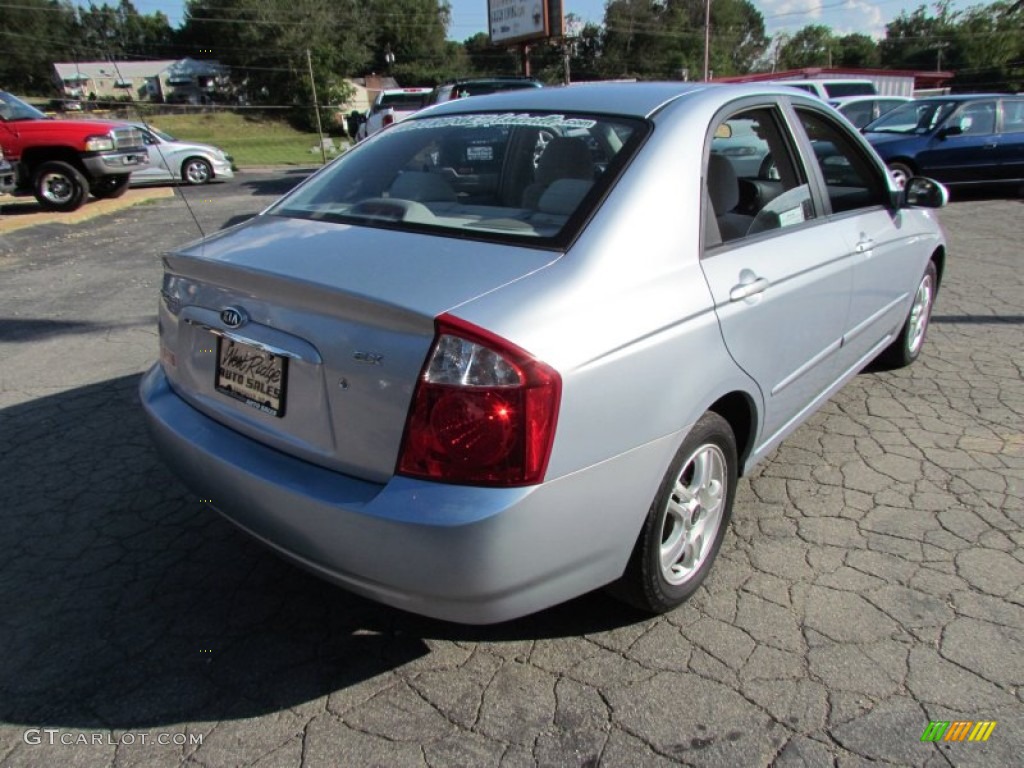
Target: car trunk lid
[{"x": 310, "y": 336}]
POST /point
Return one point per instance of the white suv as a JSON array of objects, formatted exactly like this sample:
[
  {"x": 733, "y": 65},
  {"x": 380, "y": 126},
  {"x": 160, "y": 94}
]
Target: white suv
[
  {"x": 391, "y": 106},
  {"x": 833, "y": 88}
]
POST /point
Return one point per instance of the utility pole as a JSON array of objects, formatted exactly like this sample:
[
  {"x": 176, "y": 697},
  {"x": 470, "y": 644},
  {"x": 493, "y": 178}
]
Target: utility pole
[
  {"x": 316, "y": 107},
  {"x": 707, "y": 39}
]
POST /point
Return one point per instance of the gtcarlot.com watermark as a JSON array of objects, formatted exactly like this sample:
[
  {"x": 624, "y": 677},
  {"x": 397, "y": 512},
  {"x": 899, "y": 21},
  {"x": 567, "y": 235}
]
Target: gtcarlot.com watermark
[{"x": 56, "y": 737}]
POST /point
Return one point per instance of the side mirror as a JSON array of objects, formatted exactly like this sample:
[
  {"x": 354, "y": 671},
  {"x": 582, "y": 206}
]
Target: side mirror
[
  {"x": 922, "y": 192},
  {"x": 950, "y": 130}
]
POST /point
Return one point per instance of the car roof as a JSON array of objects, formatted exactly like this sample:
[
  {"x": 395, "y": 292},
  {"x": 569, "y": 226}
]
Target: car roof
[
  {"x": 965, "y": 96},
  {"x": 492, "y": 79},
  {"x": 841, "y": 100},
  {"x": 624, "y": 99}
]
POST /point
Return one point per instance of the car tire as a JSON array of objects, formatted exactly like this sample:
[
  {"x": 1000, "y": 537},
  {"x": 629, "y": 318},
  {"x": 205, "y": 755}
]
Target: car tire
[
  {"x": 196, "y": 171},
  {"x": 59, "y": 186},
  {"x": 687, "y": 521},
  {"x": 907, "y": 346},
  {"x": 110, "y": 187},
  {"x": 900, "y": 173}
]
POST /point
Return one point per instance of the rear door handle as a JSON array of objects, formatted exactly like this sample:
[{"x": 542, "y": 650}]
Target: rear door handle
[
  {"x": 746, "y": 290},
  {"x": 865, "y": 245}
]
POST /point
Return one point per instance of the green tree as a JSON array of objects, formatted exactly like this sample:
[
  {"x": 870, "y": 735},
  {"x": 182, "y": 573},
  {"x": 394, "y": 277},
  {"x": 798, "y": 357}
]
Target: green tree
[
  {"x": 857, "y": 51},
  {"x": 33, "y": 35},
  {"x": 121, "y": 32},
  {"x": 489, "y": 59},
  {"x": 812, "y": 46},
  {"x": 409, "y": 38},
  {"x": 919, "y": 40},
  {"x": 989, "y": 46},
  {"x": 634, "y": 43},
  {"x": 265, "y": 42},
  {"x": 652, "y": 39}
]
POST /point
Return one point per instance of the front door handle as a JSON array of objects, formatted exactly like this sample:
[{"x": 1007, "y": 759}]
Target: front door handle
[
  {"x": 865, "y": 245},
  {"x": 746, "y": 290}
]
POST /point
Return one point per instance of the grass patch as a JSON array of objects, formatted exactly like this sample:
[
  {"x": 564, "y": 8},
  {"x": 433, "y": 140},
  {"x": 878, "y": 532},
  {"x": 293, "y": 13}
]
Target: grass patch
[{"x": 251, "y": 140}]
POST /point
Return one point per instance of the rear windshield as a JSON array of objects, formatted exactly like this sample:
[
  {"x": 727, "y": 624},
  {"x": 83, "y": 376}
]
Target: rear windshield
[
  {"x": 528, "y": 178},
  {"x": 486, "y": 87},
  {"x": 838, "y": 90},
  {"x": 403, "y": 101}
]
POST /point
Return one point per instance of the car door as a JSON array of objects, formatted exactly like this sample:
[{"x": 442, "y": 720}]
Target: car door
[
  {"x": 1011, "y": 141},
  {"x": 860, "y": 216},
  {"x": 780, "y": 279},
  {"x": 965, "y": 148},
  {"x": 157, "y": 168}
]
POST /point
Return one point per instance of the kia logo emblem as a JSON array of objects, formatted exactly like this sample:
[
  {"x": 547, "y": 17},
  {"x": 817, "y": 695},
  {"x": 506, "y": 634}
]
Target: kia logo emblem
[{"x": 233, "y": 317}]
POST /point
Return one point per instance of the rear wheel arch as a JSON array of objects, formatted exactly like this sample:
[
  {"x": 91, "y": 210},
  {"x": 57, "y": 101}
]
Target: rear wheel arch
[
  {"x": 939, "y": 257},
  {"x": 903, "y": 160},
  {"x": 738, "y": 409}
]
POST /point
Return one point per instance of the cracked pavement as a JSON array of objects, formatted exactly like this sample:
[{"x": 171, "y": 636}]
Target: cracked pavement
[{"x": 872, "y": 580}]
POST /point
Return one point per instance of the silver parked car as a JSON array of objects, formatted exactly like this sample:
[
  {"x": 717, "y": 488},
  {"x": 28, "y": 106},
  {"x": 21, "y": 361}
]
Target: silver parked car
[
  {"x": 521, "y": 346},
  {"x": 173, "y": 160}
]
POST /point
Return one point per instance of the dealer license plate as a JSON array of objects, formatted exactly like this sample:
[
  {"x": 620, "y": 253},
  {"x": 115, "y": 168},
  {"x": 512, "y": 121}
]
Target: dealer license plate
[{"x": 249, "y": 374}]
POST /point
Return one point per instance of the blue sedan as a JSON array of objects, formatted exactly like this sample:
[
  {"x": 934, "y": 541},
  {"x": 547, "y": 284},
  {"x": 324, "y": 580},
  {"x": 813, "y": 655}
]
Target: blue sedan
[{"x": 958, "y": 140}]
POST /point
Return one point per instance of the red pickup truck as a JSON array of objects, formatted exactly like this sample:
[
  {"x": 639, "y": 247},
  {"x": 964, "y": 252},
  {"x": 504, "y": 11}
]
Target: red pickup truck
[{"x": 62, "y": 162}]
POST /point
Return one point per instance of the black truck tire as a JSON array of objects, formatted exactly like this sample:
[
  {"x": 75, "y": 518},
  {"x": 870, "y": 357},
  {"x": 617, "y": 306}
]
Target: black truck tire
[{"x": 59, "y": 186}]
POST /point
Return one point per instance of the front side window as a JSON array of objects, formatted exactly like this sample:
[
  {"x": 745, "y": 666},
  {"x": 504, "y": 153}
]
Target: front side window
[
  {"x": 492, "y": 176},
  {"x": 851, "y": 179}
]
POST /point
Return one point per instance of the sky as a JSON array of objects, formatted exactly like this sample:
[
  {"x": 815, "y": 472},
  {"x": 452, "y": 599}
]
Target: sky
[{"x": 843, "y": 16}]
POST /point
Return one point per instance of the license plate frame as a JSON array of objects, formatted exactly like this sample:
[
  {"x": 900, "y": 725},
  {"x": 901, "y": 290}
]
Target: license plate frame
[{"x": 251, "y": 375}]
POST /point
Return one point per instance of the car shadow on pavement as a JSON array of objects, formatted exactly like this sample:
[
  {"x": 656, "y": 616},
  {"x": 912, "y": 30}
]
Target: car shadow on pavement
[
  {"x": 129, "y": 604},
  {"x": 22, "y": 329},
  {"x": 20, "y": 206},
  {"x": 282, "y": 182}
]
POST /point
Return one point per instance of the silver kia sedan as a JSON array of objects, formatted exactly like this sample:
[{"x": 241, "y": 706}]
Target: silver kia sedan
[{"x": 519, "y": 347}]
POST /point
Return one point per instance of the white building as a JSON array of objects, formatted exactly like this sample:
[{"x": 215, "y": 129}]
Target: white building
[{"x": 182, "y": 81}]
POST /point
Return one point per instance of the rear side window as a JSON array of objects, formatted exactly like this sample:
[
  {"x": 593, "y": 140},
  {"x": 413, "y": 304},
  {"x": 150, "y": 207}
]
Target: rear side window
[
  {"x": 531, "y": 178},
  {"x": 753, "y": 181},
  {"x": 1013, "y": 116}
]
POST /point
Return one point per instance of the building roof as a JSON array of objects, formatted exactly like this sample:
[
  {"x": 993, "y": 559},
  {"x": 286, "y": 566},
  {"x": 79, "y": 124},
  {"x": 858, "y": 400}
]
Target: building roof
[{"x": 130, "y": 70}]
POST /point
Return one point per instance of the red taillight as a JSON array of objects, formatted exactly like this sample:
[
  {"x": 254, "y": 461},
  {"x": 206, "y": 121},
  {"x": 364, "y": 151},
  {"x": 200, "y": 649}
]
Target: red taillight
[
  {"x": 483, "y": 413},
  {"x": 388, "y": 119}
]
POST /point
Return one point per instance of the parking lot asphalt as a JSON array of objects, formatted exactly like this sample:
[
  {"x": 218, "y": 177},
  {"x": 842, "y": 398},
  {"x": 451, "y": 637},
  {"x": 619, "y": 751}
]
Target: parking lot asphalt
[
  {"x": 21, "y": 212},
  {"x": 872, "y": 581}
]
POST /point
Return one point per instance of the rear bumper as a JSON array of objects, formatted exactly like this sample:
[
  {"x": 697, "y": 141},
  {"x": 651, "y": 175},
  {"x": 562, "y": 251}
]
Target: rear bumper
[{"x": 472, "y": 555}]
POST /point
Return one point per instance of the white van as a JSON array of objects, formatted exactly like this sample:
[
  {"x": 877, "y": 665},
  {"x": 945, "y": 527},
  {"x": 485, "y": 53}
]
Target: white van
[{"x": 827, "y": 89}]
